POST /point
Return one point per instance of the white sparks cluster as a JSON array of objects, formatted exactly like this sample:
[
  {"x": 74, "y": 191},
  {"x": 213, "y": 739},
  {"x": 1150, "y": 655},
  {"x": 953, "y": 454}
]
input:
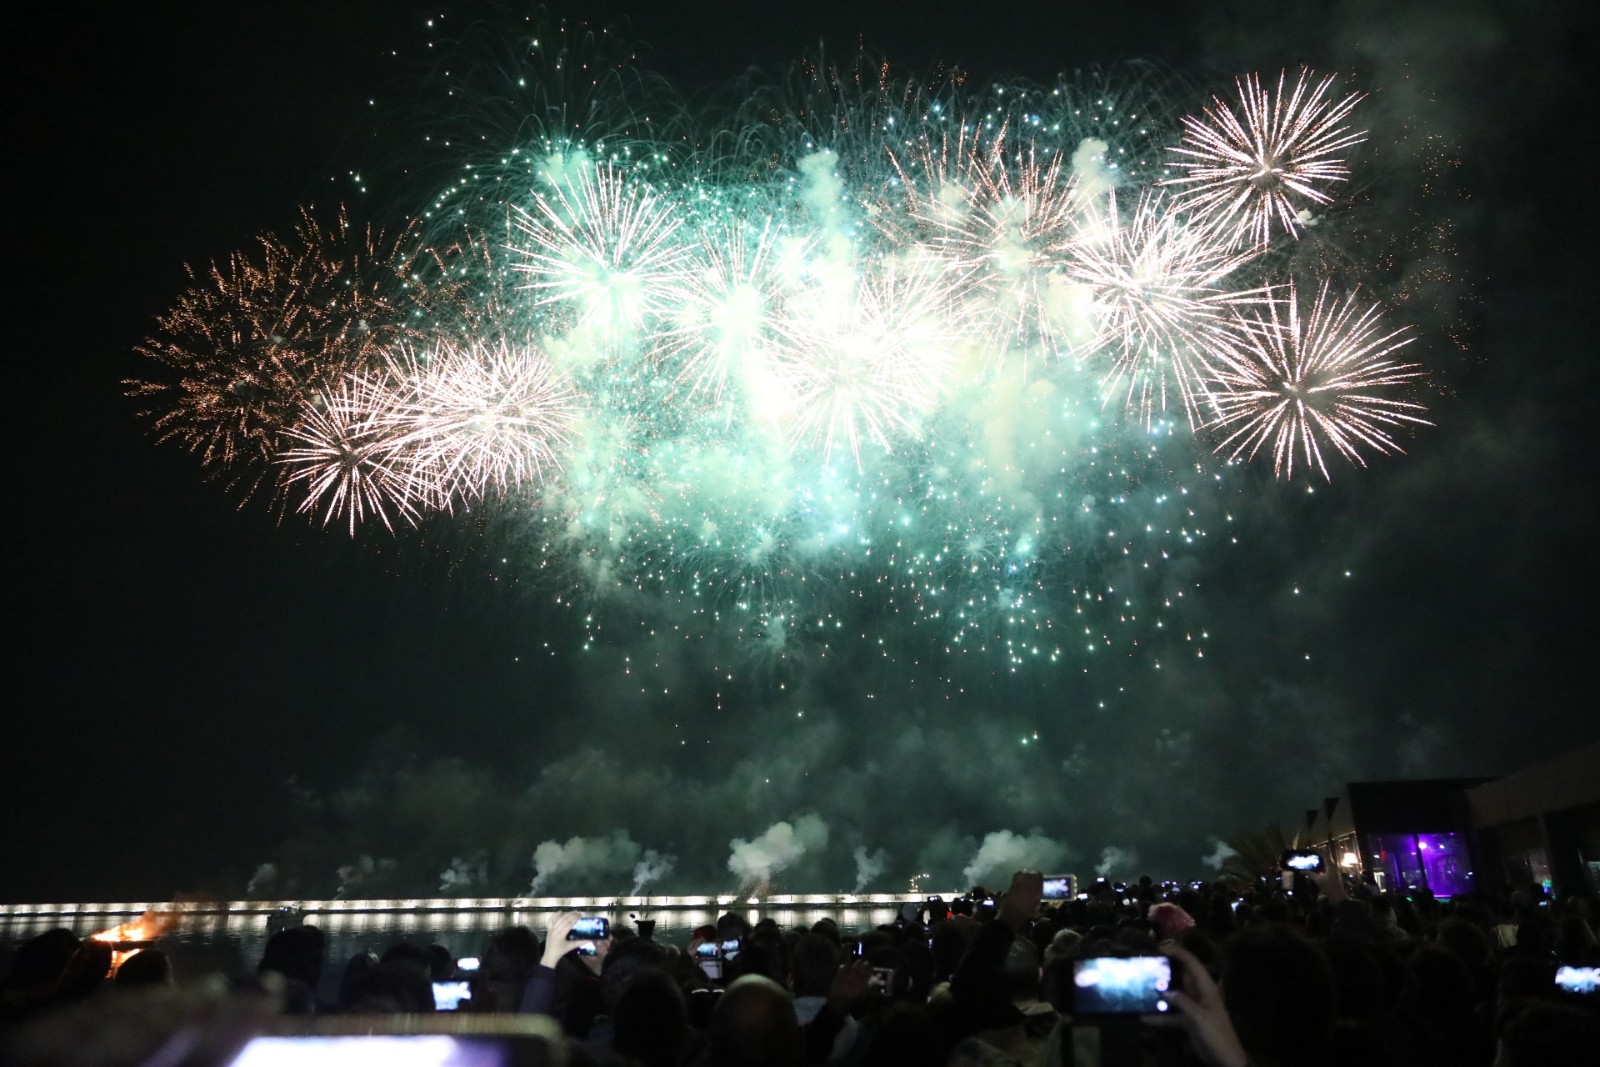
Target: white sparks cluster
[{"x": 932, "y": 354}]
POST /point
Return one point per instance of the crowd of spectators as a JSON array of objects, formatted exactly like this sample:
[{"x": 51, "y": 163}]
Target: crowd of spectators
[{"x": 1301, "y": 971}]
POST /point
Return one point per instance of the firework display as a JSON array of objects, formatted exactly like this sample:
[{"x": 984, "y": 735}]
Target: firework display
[{"x": 932, "y": 343}]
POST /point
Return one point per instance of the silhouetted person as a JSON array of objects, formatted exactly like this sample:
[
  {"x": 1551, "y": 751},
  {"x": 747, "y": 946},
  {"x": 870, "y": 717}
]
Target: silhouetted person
[
  {"x": 441, "y": 964},
  {"x": 1279, "y": 992},
  {"x": 508, "y": 960},
  {"x": 147, "y": 967},
  {"x": 1550, "y": 1035},
  {"x": 388, "y": 989},
  {"x": 754, "y": 1025},
  {"x": 297, "y": 955},
  {"x": 650, "y": 1024},
  {"x": 89, "y": 966},
  {"x": 36, "y": 972}
]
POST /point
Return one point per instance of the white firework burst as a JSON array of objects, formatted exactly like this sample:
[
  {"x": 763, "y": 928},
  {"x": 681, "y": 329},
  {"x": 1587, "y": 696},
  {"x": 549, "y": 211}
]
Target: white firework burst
[
  {"x": 724, "y": 333},
  {"x": 482, "y": 417},
  {"x": 1006, "y": 215},
  {"x": 1251, "y": 170},
  {"x": 1315, "y": 376},
  {"x": 865, "y": 362},
  {"x": 605, "y": 247},
  {"x": 1160, "y": 308},
  {"x": 347, "y": 457}
]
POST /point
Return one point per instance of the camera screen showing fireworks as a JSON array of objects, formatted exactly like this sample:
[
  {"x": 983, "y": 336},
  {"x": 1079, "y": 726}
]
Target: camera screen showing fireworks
[
  {"x": 1584, "y": 981},
  {"x": 1114, "y": 985}
]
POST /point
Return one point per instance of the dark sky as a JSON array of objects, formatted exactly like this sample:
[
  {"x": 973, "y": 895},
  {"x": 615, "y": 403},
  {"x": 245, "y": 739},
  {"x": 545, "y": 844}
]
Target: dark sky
[{"x": 198, "y": 688}]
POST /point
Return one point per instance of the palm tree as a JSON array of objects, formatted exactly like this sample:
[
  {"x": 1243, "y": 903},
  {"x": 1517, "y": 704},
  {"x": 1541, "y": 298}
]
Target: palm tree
[{"x": 1255, "y": 853}]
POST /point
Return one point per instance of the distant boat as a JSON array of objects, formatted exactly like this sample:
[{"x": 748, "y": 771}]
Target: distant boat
[{"x": 285, "y": 918}]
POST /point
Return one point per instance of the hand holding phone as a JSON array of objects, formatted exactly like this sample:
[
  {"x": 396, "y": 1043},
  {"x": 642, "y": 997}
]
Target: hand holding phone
[
  {"x": 560, "y": 940},
  {"x": 1200, "y": 1011},
  {"x": 1121, "y": 985}
]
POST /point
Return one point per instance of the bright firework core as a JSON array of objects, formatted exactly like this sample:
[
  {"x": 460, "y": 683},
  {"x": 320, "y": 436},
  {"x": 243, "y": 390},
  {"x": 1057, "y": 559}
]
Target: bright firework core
[{"x": 937, "y": 356}]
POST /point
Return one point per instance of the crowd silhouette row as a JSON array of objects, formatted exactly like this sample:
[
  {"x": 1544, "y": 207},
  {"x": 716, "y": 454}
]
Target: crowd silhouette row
[{"x": 1295, "y": 971}]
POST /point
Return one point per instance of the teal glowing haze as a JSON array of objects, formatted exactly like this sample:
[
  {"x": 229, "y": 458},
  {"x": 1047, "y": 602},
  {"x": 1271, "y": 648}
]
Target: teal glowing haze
[{"x": 949, "y": 355}]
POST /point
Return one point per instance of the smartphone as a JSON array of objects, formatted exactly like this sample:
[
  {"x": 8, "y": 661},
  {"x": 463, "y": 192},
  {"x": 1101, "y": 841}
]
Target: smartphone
[
  {"x": 857, "y": 949},
  {"x": 467, "y": 963},
  {"x": 414, "y": 1050},
  {"x": 586, "y": 950},
  {"x": 881, "y": 981},
  {"x": 1060, "y": 886},
  {"x": 730, "y": 948},
  {"x": 1302, "y": 859},
  {"x": 1584, "y": 981},
  {"x": 708, "y": 950},
  {"x": 449, "y": 996},
  {"x": 711, "y": 968},
  {"x": 1121, "y": 985},
  {"x": 590, "y": 928}
]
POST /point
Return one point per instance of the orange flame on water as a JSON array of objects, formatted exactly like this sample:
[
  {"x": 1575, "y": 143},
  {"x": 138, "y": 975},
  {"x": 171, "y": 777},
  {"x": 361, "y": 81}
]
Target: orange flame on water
[{"x": 147, "y": 927}]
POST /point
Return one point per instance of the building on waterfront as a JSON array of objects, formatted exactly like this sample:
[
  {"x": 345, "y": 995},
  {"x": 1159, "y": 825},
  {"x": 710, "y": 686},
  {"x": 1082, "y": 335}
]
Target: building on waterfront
[{"x": 1451, "y": 836}]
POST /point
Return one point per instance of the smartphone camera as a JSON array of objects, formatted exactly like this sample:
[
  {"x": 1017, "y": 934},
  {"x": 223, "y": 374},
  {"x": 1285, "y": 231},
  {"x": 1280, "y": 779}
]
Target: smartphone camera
[
  {"x": 1060, "y": 887},
  {"x": 708, "y": 950},
  {"x": 881, "y": 981},
  {"x": 1121, "y": 985},
  {"x": 590, "y": 928},
  {"x": 451, "y": 995},
  {"x": 1582, "y": 981},
  {"x": 467, "y": 963},
  {"x": 730, "y": 948}
]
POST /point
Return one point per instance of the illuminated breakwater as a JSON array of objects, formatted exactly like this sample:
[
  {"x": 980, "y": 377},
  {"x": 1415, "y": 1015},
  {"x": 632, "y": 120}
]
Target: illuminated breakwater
[{"x": 202, "y": 918}]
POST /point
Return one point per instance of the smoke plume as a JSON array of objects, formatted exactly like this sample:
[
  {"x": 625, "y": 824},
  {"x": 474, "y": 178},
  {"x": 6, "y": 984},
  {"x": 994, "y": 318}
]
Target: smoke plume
[
  {"x": 264, "y": 881},
  {"x": 869, "y": 865},
  {"x": 583, "y": 857},
  {"x": 465, "y": 874},
  {"x": 1003, "y": 853},
  {"x": 780, "y": 846},
  {"x": 652, "y": 867},
  {"x": 1220, "y": 853},
  {"x": 1116, "y": 860}
]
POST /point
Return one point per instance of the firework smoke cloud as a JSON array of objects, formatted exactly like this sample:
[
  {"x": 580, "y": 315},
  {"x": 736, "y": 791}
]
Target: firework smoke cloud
[
  {"x": 1221, "y": 852},
  {"x": 1116, "y": 861},
  {"x": 869, "y": 866},
  {"x": 585, "y": 859},
  {"x": 1003, "y": 852},
  {"x": 779, "y": 847},
  {"x": 652, "y": 867}
]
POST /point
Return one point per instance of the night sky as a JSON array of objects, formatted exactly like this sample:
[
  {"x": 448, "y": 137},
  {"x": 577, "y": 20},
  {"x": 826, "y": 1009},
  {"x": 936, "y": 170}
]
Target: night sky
[{"x": 199, "y": 688}]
